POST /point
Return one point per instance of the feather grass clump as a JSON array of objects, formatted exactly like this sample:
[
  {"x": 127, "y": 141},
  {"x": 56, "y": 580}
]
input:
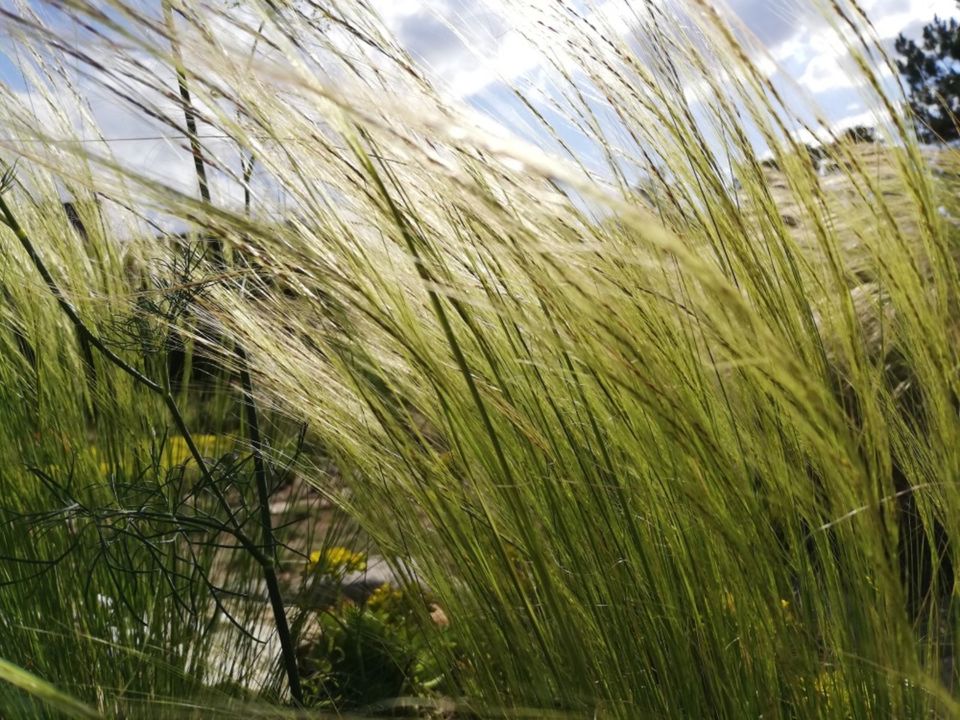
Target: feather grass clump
[{"x": 685, "y": 451}]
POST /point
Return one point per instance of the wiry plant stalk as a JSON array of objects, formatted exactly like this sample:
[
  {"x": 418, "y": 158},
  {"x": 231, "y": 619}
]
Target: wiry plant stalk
[
  {"x": 287, "y": 643},
  {"x": 265, "y": 555},
  {"x": 189, "y": 114},
  {"x": 288, "y": 647}
]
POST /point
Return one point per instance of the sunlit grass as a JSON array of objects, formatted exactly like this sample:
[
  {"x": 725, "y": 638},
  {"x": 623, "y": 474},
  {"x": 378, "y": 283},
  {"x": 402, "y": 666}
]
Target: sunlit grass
[{"x": 684, "y": 452}]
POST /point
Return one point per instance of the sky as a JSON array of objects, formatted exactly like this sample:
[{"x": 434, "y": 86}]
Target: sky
[
  {"x": 471, "y": 48},
  {"x": 474, "y": 50}
]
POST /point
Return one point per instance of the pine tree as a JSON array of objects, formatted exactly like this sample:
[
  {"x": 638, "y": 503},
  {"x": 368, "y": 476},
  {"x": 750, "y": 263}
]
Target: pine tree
[{"x": 931, "y": 70}]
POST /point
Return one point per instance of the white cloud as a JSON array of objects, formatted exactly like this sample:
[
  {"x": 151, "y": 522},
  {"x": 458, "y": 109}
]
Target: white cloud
[
  {"x": 470, "y": 45},
  {"x": 474, "y": 47},
  {"x": 827, "y": 70},
  {"x": 890, "y": 18}
]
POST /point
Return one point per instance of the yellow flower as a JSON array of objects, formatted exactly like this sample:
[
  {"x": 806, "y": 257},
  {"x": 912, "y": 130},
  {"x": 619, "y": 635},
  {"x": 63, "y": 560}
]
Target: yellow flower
[
  {"x": 384, "y": 598},
  {"x": 336, "y": 561},
  {"x": 177, "y": 452}
]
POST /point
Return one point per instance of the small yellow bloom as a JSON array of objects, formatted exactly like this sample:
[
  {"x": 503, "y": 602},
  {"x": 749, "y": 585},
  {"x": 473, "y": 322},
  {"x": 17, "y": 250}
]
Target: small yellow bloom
[
  {"x": 336, "y": 561},
  {"x": 384, "y": 598},
  {"x": 177, "y": 452}
]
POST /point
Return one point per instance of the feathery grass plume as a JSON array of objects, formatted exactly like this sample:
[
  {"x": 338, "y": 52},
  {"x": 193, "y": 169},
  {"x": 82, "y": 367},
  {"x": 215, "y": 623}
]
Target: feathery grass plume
[
  {"x": 67, "y": 705},
  {"x": 684, "y": 451}
]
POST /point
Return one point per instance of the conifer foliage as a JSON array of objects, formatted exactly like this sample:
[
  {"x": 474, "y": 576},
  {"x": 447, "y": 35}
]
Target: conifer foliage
[{"x": 931, "y": 69}]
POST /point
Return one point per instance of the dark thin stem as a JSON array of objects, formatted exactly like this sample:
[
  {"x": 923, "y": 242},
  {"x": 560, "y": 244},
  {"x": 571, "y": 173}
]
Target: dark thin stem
[
  {"x": 190, "y": 118},
  {"x": 247, "y": 163},
  {"x": 287, "y": 645},
  {"x": 189, "y": 115},
  {"x": 82, "y": 330},
  {"x": 93, "y": 339},
  {"x": 10, "y": 220},
  {"x": 266, "y": 560}
]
